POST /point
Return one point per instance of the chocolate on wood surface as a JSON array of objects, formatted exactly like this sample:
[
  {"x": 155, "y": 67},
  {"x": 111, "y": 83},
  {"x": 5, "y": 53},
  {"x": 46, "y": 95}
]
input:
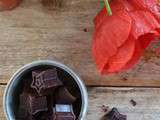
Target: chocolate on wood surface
[{"x": 114, "y": 115}]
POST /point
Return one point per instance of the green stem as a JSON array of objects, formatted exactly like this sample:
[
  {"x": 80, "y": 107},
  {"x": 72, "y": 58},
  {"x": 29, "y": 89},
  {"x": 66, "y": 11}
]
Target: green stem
[{"x": 108, "y": 7}]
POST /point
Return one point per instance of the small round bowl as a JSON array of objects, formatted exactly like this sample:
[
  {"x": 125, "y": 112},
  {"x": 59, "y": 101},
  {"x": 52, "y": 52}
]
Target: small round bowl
[{"x": 14, "y": 88}]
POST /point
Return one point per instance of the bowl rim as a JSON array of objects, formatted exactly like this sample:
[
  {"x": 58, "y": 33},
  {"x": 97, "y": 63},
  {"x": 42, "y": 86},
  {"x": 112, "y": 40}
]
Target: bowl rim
[{"x": 78, "y": 80}]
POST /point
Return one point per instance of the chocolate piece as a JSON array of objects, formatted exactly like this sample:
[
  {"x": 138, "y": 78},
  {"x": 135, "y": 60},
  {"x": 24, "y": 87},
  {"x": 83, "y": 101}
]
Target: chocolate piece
[
  {"x": 37, "y": 104},
  {"x": 114, "y": 115},
  {"x": 31, "y": 104},
  {"x": 134, "y": 103},
  {"x": 31, "y": 117},
  {"x": 45, "y": 116},
  {"x": 63, "y": 96},
  {"x": 44, "y": 82},
  {"x": 64, "y": 112},
  {"x": 22, "y": 110},
  {"x": 85, "y": 30},
  {"x": 50, "y": 103},
  {"x": 105, "y": 108},
  {"x": 64, "y": 116},
  {"x": 27, "y": 88}
]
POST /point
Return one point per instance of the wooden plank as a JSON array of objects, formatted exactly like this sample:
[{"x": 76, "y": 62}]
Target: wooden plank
[
  {"x": 147, "y": 108},
  {"x": 2, "y": 116},
  {"x": 32, "y": 32}
]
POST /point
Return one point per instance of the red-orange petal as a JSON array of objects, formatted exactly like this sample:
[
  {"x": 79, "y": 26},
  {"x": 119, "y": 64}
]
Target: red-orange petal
[
  {"x": 146, "y": 39},
  {"x": 143, "y": 22},
  {"x": 144, "y": 29},
  {"x": 154, "y": 7},
  {"x": 130, "y": 18},
  {"x": 116, "y": 6},
  {"x": 8, "y": 4},
  {"x": 141, "y": 43},
  {"x": 157, "y": 50},
  {"x": 123, "y": 55},
  {"x": 136, "y": 56},
  {"x": 112, "y": 33}
]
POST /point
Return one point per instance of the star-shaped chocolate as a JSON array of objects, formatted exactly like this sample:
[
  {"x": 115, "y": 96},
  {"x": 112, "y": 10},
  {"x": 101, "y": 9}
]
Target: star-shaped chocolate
[
  {"x": 44, "y": 82},
  {"x": 114, "y": 115},
  {"x": 38, "y": 82}
]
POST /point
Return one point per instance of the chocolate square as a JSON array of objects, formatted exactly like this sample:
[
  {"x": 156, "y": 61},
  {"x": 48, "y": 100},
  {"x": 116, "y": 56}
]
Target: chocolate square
[
  {"x": 31, "y": 117},
  {"x": 27, "y": 88},
  {"x": 64, "y": 116},
  {"x": 50, "y": 103},
  {"x": 31, "y": 104},
  {"x": 45, "y": 82},
  {"x": 63, "y": 96},
  {"x": 45, "y": 116},
  {"x": 63, "y": 112},
  {"x": 37, "y": 104},
  {"x": 22, "y": 110}
]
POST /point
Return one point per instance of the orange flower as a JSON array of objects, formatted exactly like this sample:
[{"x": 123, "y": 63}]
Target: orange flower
[{"x": 119, "y": 40}]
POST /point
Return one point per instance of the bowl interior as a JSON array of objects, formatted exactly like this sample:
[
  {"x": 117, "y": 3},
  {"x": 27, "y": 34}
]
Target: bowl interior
[{"x": 65, "y": 77}]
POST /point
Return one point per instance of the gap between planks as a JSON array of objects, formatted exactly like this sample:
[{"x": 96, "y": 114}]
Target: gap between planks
[{"x": 147, "y": 99}]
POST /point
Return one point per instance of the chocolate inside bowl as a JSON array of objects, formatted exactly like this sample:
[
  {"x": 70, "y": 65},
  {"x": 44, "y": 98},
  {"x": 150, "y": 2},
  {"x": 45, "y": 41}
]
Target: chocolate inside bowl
[{"x": 69, "y": 93}]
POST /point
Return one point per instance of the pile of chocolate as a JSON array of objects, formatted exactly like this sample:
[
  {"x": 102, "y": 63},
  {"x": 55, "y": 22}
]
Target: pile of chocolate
[{"x": 45, "y": 97}]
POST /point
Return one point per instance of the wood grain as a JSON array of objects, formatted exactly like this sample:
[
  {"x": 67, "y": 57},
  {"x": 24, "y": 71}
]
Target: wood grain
[
  {"x": 32, "y": 32},
  {"x": 147, "y": 102},
  {"x": 2, "y": 116},
  {"x": 147, "y": 107}
]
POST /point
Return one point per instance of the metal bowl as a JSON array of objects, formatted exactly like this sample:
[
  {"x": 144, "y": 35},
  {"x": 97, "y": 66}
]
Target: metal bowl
[{"x": 12, "y": 88}]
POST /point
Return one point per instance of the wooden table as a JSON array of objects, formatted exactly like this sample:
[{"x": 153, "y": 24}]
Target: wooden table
[
  {"x": 147, "y": 102},
  {"x": 32, "y": 32}
]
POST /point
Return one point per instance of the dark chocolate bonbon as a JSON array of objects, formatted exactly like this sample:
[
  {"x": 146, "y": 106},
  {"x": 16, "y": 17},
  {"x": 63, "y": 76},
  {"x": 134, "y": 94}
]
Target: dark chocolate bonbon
[{"x": 44, "y": 82}]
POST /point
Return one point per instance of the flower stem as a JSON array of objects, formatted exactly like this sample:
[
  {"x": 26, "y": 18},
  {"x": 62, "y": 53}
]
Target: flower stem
[{"x": 108, "y": 7}]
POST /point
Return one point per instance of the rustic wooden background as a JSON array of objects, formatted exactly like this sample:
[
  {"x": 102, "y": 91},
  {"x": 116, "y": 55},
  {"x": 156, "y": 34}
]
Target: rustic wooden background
[
  {"x": 32, "y": 32},
  {"x": 147, "y": 102}
]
